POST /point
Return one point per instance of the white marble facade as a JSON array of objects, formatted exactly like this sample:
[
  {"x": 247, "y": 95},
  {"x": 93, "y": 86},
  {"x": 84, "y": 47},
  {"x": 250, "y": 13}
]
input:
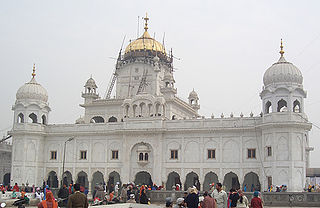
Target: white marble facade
[{"x": 147, "y": 131}]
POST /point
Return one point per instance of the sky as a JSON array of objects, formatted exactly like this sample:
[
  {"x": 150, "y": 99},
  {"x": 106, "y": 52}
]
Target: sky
[{"x": 222, "y": 50}]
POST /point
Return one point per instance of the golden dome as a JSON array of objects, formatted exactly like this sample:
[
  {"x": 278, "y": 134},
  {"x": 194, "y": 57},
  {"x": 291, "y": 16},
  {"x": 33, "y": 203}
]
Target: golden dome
[{"x": 145, "y": 42}]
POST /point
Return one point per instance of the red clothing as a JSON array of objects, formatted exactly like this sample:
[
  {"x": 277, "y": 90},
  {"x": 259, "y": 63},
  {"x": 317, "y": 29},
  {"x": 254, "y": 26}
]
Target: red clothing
[
  {"x": 209, "y": 202},
  {"x": 15, "y": 188},
  {"x": 256, "y": 202},
  {"x": 48, "y": 204}
]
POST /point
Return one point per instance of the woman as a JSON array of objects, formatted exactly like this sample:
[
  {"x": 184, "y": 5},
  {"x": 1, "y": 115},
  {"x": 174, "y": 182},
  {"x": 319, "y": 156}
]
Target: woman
[
  {"x": 256, "y": 202},
  {"x": 143, "y": 197},
  {"x": 49, "y": 202},
  {"x": 243, "y": 200}
]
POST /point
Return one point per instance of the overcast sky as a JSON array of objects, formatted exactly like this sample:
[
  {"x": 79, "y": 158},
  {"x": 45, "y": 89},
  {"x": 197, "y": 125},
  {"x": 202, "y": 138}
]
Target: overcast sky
[{"x": 224, "y": 49}]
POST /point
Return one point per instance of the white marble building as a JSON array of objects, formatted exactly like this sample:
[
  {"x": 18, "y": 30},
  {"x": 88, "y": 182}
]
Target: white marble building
[{"x": 146, "y": 133}]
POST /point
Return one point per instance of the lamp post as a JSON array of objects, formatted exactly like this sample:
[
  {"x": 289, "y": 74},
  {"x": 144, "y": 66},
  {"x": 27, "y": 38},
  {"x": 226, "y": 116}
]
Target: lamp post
[{"x": 64, "y": 157}]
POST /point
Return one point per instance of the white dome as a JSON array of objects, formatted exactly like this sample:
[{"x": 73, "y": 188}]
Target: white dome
[
  {"x": 282, "y": 72},
  {"x": 91, "y": 83},
  {"x": 32, "y": 90},
  {"x": 193, "y": 94}
]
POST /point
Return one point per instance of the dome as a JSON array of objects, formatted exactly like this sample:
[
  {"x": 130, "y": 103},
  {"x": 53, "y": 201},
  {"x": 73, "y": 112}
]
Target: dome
[
  {"x": 145, "y": 42},
  {"x": 91, "y": 83},
  {"x": 282, "y": 72},
  {"x": 193, "y": 94},
  {"x": 32, "y": 90}
]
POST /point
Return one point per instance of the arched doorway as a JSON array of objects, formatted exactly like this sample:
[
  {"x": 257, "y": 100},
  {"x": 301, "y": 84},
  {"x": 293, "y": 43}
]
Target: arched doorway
[
  {"x": 210, "y": 178},
  {"x": 6, "y": 179},
  {"x": 114, "y": 178},
  {"x": 172, "y": 180},
  {"x": 67, "y": 178},
  {"x": 231, "y": 181},
  {"x": 83, "y": 179},
  {"x": 143, "y": 178},
  {"x": 192, "y": 179},
  {"x": 251, "y": 182},
  {"x": 97, "y": 180},
  {"x": 52, "y": 180}
]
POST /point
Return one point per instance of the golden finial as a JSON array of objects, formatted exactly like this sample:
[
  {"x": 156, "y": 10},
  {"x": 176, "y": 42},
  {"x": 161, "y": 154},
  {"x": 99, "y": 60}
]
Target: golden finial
[
  {"x": 281, "y": 49},
  {"x": 146, "y": 24},
  {"x": 34, "y": 70}
]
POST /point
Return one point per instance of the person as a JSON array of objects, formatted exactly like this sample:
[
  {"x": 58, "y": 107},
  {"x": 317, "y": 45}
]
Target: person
[
  {"x": 77, "y": 199},
  {"x": 49, "y": 202},
  {"x": 168, "y": 202},
  {"x": 16, "y": 187},
  {"x": 123, "y": 193},
  {"x": 116, "y": 189},
  {"x": 243, "y": 200},
  {"x": 39, "y": 194},
  {"x": 220, "y": 196},
  {"x": 63, "y": 194},
  {"x": 179, "y": 203},
  {"x": 143, "y": 196},
  {"x": 131, "y": 199},
  {"x": 208, "y": 201},
  {"x": 192, "y": 200},
  {"x": 233, "y": 197},
  {"x": 256, "y": 202}
]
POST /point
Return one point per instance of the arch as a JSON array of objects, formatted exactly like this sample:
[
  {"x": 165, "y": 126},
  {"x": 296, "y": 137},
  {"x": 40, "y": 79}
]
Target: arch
[
  {"x": 83, "y": 179},
  {"x": 157, "y": 113},
  {"x": 231, "y": 152},
  {"x": 6, "y": 179},
  {"x": 97, "y": 180},
  {"x": 268, "y": 107},
  {"x": 114, "y": 178},
  {"x": 192, "y": 179},
  {"x": 150, "y": 109},
  {"x": 52, "y": 180},
  {"x": 33, "y": 118},
  {"x": 112, "y": 119},
  {"x": 134, "y": 109},
  {"x": 296, "y": 107},
  {"x": 126, "y": 108},
  {"x": 98, "y": 152},
  {"x": 251, "y": 182},
  {"x": 172, "y": 180},
  {"x": 146, "y": 156},
  {"x": 143, "y": 178},
  {"x": 191, "y": 152},
  {"x": 44, "y": 119},
  {"x": 67, "y": 178},
  {"x": 97, "y": 119},
  {"x": 282, "y": 105},
  {"x": 20, "y": 118},
  {"x": 210, "y": 178},
  {"x": 142, "y": 109},
  {"x": 231, "y": 181}
]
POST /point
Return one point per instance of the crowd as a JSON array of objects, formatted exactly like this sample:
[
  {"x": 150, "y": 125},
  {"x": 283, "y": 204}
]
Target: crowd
[
  {"x": 312, "y": 188},
  {"x": 217, "y": 198}
]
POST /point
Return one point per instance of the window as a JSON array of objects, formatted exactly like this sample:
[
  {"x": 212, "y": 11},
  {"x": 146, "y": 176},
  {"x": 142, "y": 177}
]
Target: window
[
  {"x": 251, "y": 153},
  {"x": 140, "y": 156},
  {"x": 269, "y": 151},
  {"x": 53, "y": 155},
  {"x": 174, "y": 154},
  {"x": 115, "y": 154},
  {"x": 211, "y": 153},
  {"x": 83, "y": 155},
  {"x": 146, "y": 156}
]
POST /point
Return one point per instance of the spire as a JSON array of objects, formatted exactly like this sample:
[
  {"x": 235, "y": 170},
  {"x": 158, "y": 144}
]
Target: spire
[
  {"x": 146, "y": 23},
  {"x": 33, "y": 71},
  {"x": 281, "y": 49}
]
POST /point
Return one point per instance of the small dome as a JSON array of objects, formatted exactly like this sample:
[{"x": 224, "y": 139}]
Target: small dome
[
  {"x": 193, "y": 94},
  {"x": 91, "y": 83},
  {"x": 156, "y": 59},
  {"x": 32, "y": 90},
  {"x": 281, "y": 72}
]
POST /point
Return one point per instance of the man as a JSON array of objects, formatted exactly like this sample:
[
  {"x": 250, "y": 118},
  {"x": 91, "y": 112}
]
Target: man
[
  {"x": 77, "y": 199},
  {"x": 220, "y": 196},
  {"x": 192, "y": 199},
  {"x": 63, "y": 195}
]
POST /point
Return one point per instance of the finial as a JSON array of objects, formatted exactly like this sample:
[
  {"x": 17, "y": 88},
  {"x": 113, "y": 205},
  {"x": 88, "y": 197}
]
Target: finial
[
  {"x": 34, "y": 70},
  {"x": 281, "y": 49},
  {"x": 146, "y": 24}
]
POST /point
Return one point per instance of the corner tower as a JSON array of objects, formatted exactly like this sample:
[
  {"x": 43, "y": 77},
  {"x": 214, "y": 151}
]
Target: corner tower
[{"x": 284, "y": 128}]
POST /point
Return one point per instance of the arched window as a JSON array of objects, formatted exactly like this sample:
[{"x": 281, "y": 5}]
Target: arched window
[
  {"x": 134, "y": 108},
  {"x": 20, "y": 118},
  {"x": 97, "y": 119},
  {"x": 33, "y": 118},
  {"x": 282, "y": 105},
  {"x": 112, "y": 119},
  {"x": 44, "y": 120},
  {"x": 127, "y": 111},
  {"x": 268, "y": 108},
  {"x": 173, "y": 117},
  {"x": 296, "y": 106},
  {"x": 146, "y": 156},
  {"x": 141, "y": 156},
  {"x": 157, "y": 109},
  {"x": 142, "y": 109}
]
